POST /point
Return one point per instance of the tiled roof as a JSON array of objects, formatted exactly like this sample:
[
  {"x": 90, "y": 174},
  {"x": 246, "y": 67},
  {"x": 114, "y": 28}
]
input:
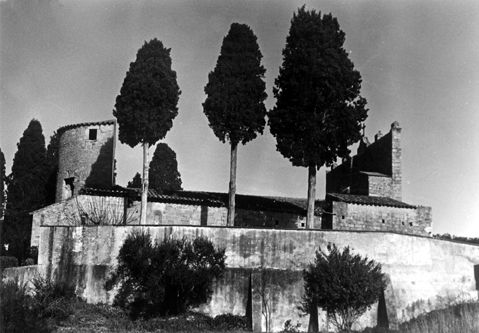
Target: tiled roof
[
  {"x": 104, "y": 122},
  {"x": 375, "y": 174},
  {"x": 368, "y": 200},
  {"x": 212, "y": 199}
]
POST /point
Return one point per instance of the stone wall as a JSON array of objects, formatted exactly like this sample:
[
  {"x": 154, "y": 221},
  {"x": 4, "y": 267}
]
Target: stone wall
[
  {"x": 83, "y": 161},
  {"x": 347, "y": 216},
  {"x": 380, "y": 186},
  {"x": 422, "y": 271},
  {"x": 382, "y": 156}
]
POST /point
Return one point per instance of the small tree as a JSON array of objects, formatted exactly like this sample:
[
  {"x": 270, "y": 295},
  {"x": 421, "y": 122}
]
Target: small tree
[
  {"x": 135, "y": 182},
  {"x": 165, "y": 278},
  {"x": 319, "y": 110},
  {"x": 342, "y": 284},
  {"x": 147, "y": 104},
  {"x": 235, "y": 95},
  {"x": 164, "y": 175}
]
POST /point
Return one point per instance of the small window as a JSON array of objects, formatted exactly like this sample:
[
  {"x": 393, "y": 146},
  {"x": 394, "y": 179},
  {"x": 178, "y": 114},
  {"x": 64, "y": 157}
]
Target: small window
[
  {"x": 342, "y": 217},
  {"x": 276, "y": 223},
  {"x": 302, "y": 225},
  {"x": 384, "y": 221},
  {"x": 402, "y": 223},
  {"x": 69, "y": 188},
  {"x": 410, "y": 224},
  {"x": 92, "y": 134}
]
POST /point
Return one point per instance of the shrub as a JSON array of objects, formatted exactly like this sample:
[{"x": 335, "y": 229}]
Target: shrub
[
  {"x": 165, "y": 278},
  {"x": 53, "y": 298},
  {"x": 342, "y": 284},
  {"x": 20, "y": 311},
  {"x": 8, "y": 261}
]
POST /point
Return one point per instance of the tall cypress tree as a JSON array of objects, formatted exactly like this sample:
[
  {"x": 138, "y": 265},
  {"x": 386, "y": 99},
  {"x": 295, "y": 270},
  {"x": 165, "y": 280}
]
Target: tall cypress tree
[
  {"x": 319, "y": 110},
  {"x": 52, "y": 168},
  {"x": 147, "y": 104},
  {"x": 2, "y": 197},
  {"x": 235, "y": 97},
  {"x": 164, "y": 175},
  {"x": 26, "y": 189}
]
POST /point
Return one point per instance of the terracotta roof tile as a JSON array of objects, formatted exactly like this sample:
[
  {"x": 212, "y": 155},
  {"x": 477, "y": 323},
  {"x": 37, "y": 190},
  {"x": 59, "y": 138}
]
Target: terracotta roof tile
[{"x": 368, "y": 200}]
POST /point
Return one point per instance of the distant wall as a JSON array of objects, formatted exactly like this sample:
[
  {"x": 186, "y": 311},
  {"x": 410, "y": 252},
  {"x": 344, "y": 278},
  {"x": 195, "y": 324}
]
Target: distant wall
[
  {"x": 422, "y": 271},
  {"x": 348, "y": 216}
]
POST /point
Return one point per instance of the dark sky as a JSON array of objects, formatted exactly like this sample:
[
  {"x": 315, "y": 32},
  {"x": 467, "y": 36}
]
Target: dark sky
[{"x": 63, "y": 62}]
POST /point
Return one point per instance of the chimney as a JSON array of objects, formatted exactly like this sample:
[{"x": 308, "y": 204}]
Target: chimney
[{"x": 378, "y": 136}]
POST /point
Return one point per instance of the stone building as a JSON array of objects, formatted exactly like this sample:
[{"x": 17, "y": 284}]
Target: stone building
[
  {"x": 86, "y": 157},
  {"x": 363, "y": 193}
]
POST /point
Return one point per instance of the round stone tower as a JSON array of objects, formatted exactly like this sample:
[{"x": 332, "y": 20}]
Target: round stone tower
[{"x": 86, "y": 157}]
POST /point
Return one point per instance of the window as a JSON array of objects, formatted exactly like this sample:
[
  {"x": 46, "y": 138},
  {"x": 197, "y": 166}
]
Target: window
[
  {"x": 69, "y": 187},
  {"x": 92, "y": 134},
  {"x": 384, "y": 221},
  {"x": 410, "y": 224}
]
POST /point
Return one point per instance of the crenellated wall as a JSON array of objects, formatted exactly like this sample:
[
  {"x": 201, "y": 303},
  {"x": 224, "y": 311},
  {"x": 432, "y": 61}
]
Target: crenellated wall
[{"x": 422, "y": 271}]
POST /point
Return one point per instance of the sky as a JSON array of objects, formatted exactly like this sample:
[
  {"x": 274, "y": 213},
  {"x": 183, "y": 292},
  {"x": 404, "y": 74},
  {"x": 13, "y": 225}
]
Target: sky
[{"x": 63, "y": 62}]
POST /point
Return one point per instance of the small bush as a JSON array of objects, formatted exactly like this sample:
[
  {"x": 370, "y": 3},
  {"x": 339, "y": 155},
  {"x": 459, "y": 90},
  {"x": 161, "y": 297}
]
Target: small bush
[
  {"x": 166, "y": 278},
  {"x": 20, "y": 311},
  {"x": 228, "y": 322},
  {"x": 53, "y": 298},
  {"x": 290, "y": 328},
  {"x": 8, "y": 261}
]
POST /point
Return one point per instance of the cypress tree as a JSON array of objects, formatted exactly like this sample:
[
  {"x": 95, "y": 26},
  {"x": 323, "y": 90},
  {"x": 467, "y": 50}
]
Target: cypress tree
[
  {"x": 235, "y": 97},
  {"x": 26, "y": 189},
  {"x": 52, "y": 169},
  {"x": 164, "y": 175},
  {"x": 135, "y": 182},
  {"x": 319, "y": 110},
  {"x": 147, "y": 104}
]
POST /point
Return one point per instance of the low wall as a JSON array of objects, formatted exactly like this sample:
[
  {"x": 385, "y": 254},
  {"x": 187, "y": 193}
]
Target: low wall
[{"x": 424, "y": 273}]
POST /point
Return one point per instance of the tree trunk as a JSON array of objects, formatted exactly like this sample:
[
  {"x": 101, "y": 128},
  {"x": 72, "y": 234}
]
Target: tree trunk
[
  {"x": 313, "y": 320},
  {"x": 311, "y": 196},
  {"x": 230, "y": 221},
  {"x": 144, "y": 185}
]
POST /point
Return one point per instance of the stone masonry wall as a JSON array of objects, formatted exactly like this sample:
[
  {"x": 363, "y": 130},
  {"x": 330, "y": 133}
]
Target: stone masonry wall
[
  {"x": 380, "y": 186},
  {"x": 382, "y": 156},
  {"x": 89, "y": 162},
  {"x": 381, "y": 218},
  {"x": 422, "y": 271}
]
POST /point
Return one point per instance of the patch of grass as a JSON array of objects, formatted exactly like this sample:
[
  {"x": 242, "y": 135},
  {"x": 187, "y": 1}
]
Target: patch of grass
[{"x": 105, "y": 319}]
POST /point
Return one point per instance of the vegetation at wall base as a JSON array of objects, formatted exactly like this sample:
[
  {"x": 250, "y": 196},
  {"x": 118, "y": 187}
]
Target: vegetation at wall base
[{"x": 165, "y": 278}]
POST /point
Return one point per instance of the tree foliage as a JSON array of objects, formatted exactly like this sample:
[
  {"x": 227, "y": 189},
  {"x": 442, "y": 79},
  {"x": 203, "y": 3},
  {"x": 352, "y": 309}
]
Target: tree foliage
[
  {"x": 319, "y": 110},
  {"x": 236, "y": 89},
  {"x": 147, "y": 103},
  {"x": 2, "y": 185},
  {"x": 26, "y": 189},
  {"x": 343, "y": 284},
  {"x": 235, "y": 98},
  {"x": 164, "y": 175},
  {"x": 135, "y": 182},
  {"x": 165, "y": 278},
  {"x": 52, "y": 168}
]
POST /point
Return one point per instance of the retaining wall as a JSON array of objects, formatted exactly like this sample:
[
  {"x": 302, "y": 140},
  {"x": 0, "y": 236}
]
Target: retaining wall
[{"x": 424, "y": 273}]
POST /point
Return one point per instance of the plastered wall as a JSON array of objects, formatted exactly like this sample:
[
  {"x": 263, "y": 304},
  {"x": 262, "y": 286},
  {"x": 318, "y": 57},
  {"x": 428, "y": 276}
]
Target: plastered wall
[{"x": 423, "y": 272}]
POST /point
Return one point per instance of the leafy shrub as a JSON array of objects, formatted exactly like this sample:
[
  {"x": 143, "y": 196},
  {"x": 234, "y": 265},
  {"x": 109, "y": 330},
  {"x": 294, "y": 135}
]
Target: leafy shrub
[
  {"x": 53, "y": 298},
  {"x": 20, "y": 311},
  {"x": 343, "y": 284},
  {"x": 290, "y": 328},
  {"x": 29, "y": 262},
  {"x": 228, "y": 322},
  {"x": 8, "y": 261},
  {"x": 165, "y": 278}
]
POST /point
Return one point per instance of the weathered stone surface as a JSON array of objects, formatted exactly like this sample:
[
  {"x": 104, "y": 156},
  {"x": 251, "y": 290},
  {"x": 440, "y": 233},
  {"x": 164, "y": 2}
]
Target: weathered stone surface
[{"x": 423, "y": 272}]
